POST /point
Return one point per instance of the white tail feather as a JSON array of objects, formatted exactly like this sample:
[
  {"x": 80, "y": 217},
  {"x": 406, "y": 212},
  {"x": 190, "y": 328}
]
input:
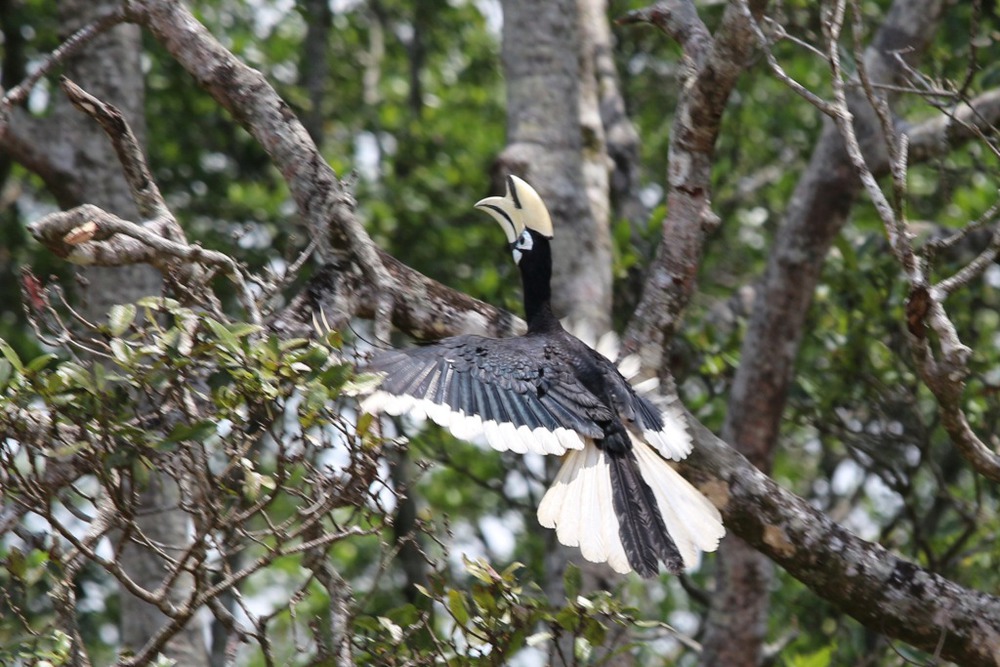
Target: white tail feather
[
  {"x": 693, "y": 522},
  {"x": 580, "y": 507},
  {"x": 673, "y": 440}
]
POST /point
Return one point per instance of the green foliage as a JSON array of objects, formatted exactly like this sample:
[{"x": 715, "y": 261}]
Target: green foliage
[
  {"x": 491, "y": 620},
  {"x": 860, "y": 436}
]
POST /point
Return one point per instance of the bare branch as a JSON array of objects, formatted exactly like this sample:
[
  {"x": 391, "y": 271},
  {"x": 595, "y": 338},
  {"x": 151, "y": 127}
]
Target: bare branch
[
  {"x": 772, "y": 60},
  {"x": 19, "y": 93},
  {"x": 322, "y": 199},
  {"x": 426, "y": 309},
  {"x": 973, "y": 269},
  {"x": 900, "y": 240},
  {"x": 90, "y": 236},
  {"x": 944, "y": 377},
  {"x": 975, "y": 118},
  {"x": 144, "y": 192},
  {"x": 866, "y": 580},
  {"x": 718, "y": 63},
  {"x": 679, "y": 19}
]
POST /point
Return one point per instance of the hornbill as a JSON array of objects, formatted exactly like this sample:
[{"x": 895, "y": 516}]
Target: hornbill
[{"x": 615, "y": 496}]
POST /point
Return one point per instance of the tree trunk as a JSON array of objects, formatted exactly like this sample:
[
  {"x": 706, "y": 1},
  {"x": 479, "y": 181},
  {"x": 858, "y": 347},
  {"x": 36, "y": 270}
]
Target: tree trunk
[
  {"x": 596, "y": 164},
  {"x": 110, "y": 69},
  {"x": 315, "y": 68},
  {"x": 541, "y": 47},
  {"x": 555, "y": 140}
]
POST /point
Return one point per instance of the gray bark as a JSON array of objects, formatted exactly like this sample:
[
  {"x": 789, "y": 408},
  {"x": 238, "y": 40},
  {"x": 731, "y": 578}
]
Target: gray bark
[
  {"x": 110, "y": 68},
  {"x": 596, "y": 164},
  {"x": 541, "y": 47},
  {"x": 556, "y": 142},
  {"x": 715, "y": 63},
  {"x": 881, "y": 590},
  {"x": 315, "y": 68}
]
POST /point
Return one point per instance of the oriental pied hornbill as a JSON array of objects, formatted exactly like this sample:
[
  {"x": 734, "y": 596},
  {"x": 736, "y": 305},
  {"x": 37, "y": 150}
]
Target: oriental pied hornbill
[{"x": 615, "y": 496}]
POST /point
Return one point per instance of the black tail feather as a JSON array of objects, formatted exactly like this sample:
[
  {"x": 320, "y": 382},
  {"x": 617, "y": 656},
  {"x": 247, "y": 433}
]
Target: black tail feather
[{"x": 640, "y": 525}]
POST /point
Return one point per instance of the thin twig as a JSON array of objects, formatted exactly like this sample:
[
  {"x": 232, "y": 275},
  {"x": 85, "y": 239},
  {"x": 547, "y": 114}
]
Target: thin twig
[{"x": 19, "y": 93}]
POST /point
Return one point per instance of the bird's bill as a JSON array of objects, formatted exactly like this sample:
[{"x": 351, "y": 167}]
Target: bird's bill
[
  {"x": 502, "y": 210},
  {"x": 520, "y": 208}
]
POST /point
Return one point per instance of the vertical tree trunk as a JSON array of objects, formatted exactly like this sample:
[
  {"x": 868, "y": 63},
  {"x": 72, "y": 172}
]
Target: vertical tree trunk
[
  {"x": 621, "y": 139},
  {"x": 110, "y": 69},
  {"x": 541, "y": 61},
  {"x": 555, "y": 141},
  {"x": 315, "y": 68},
  {"x": 596, "y": 164}
]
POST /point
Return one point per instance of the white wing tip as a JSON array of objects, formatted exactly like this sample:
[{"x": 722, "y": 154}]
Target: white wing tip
[{"x": 501, "y": 436}]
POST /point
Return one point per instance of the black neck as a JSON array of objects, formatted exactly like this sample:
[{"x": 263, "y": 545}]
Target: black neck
[{"x": 536, "y": 274}]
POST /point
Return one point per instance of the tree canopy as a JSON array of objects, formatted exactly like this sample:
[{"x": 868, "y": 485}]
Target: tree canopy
[{"x": 211, "y": 211}]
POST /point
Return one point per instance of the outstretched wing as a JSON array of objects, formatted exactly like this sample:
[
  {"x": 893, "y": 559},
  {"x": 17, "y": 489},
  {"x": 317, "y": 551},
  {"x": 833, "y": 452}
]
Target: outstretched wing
[{"x": 519, "y": 393}]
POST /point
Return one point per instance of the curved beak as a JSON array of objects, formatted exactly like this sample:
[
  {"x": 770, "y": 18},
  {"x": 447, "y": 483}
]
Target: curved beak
[
  {"x": 502, "y": 210},
  {"x": 519, "y": 208}
]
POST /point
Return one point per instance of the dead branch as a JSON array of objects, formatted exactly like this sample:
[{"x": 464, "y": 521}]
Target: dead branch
[
  {"x": 145, "y": 193},
  {"x": 945, "y": 377},
  {"x": 19, "y": 93},
  {"x": 679, "y": 19},
  {"x": 716, "y": 65}
]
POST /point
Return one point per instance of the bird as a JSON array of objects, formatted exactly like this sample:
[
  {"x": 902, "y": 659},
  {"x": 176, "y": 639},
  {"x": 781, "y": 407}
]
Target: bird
[{"x": 615, "y": 496}]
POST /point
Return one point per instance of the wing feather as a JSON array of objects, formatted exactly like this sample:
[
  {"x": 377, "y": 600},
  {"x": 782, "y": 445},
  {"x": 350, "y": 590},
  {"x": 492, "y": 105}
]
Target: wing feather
[{"x": 472, "y": 385}]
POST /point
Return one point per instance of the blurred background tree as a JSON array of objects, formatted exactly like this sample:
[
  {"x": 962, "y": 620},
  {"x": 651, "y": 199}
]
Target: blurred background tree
[{"x": 407, "y": 102}]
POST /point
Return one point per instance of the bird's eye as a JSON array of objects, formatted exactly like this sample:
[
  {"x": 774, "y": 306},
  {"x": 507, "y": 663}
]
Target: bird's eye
[{"x": 524, "y": 241}]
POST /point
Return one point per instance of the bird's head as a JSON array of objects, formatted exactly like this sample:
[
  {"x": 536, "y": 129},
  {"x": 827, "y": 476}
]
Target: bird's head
[{"x": 522, "y": 214}]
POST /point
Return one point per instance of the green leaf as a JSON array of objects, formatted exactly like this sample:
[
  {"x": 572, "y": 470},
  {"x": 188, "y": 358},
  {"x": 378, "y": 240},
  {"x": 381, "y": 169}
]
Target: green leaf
[
  {"x": 76, "y": 376},
  {"x": 335, "y": 377},
  {"x": 508, "y": 572},
  {"x": 594, "y": 632},
  {"x": 820, "y": 658},
  {"x": 315, "y": 357},
  {"x": 158, "y": 303},
  {"x": 292, "y": 343},
  {"x": 40, "y": 362},
  {"x": 16, "y": 563},
  {"x": 485, "y": 600},
  {"x": 479, "y": 569},
  {"x": 572, "y": 581},
  {"x": 11, "y": 355},
  {"x": 120, "y": 318},
  {"x": 362, "y": 384},
  {"x": 364, "y": 423},
  {"x": 243, "y": 329},
  {"x": 225, "y": 336},
  {"x": 198, "y": 432},
  {"x": 568, "y": 618},
  {"x": 120, "y": 350},
  {"x": 6, "y": 369},
  {"x": 456, "y": 603}
]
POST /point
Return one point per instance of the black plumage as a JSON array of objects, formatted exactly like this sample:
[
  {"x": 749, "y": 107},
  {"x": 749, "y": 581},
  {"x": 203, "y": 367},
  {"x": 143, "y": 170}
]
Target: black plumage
[{"x": 548, "y": 392}]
